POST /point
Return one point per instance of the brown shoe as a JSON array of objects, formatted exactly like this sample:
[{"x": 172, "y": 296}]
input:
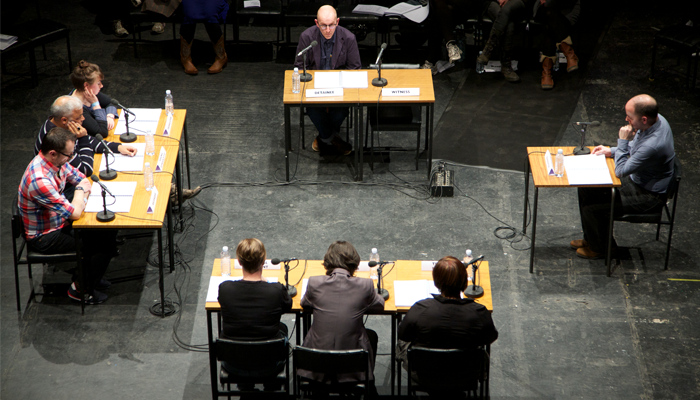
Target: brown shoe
[
  {"x": 314, "y": 145},
  {"x": 547, "y": 81},
  {"x": 186, "y": 57},
  {"x": 221, "y": 58},
  {"x": 571, "y": 58},
  {"x": 578, "y": 243},
  {"x": 491, "y": 44},
  {"x": 587, "y": 253}
]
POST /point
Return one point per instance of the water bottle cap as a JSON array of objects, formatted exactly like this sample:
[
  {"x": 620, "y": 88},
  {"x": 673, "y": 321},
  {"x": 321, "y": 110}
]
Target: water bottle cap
[
  {"x": 374, "y": 250},
  {"x": 147, "y": 164},
  {"x": 225, "y": 248},
  {"x": 469, "y": 252},
  {"x": 560, "y": 151},
  {"x": 296, "y": 69},
  {"x": 167, "y": 91}
]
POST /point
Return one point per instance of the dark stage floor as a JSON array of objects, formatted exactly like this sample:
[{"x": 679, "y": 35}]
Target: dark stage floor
[{"x": 566, "y": 331}]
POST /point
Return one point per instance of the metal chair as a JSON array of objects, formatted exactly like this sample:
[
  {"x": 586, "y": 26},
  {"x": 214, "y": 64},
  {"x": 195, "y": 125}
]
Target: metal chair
[
  {"x": 331, "y": 363},
  {"x": 30, "y": 257},
  {"x": 393, "y": 119},
  {"x": 655, "y": 216},
  {"x": 250, "y": 356},
  {"x": 448, "y": 371},
  {"x": 685, "y": 39}
]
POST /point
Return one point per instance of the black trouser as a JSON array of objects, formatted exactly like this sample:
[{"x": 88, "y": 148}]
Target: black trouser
[
  {"x": 98, "y": 248},
  {"x": 556, "y": 28},
  {"x": 213, "y": 30},
  {"x": 504, "y": 18},
  {"x": 594, "y": 206}
]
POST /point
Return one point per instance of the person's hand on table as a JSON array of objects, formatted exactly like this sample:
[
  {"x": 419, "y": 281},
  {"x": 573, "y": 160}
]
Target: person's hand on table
[
  {"x": 85, "y": 184},
  {"x": 602, "y": 150},
  {"x": 627, "y": 132},
  {"x": 77, "y": 129},
  {"x": 127, "y": 150},
  {"x": 110, "y": 121}
]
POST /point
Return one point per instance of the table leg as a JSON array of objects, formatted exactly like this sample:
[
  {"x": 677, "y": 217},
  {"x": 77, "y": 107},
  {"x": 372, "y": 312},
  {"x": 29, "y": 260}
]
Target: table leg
[
  {"x": 534, "y": 229},
  {"x": 430, "y": 114},
  {"x": 171, "y": 244},
  {"x": 212, "y": 359},
  {"x": 187, "y": 154},
  {"x": 287, "y": 138},
  {"x": 608, "y": 261},
  {"x": 178, "y": 185},
  {"x": 527, "y": 193},
  {"x": 393, "y": 353},
  {"x": 298, "y": 322},
  {"x": 360, "y": 140},
  {"x": 160, "y": 272}
]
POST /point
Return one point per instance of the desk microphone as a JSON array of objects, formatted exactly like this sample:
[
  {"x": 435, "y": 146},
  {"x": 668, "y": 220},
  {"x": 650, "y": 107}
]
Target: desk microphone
[
  {"x": 305, "y": 76},
  {"x": 290, "y": 289},
  {"x": 380, "y": 290},
  {"x": 127, "y": 137},
  {"x": 474, "y": 290},
  {"x": 116, "y": 102},
  {"x": 313, "y": 44},
  {"x": 379, "y": 81},
  {"x": 107, "y": 174},
  {"x": 105, "y": 215},
  {"x": 581, "y": 150},
  {"x": 593, "y": 123},
  {"x": 276, "y": 261}
]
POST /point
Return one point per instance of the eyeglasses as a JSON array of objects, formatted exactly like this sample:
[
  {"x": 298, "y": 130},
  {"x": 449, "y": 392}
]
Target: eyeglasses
[
  {"x": 60, "y": 152},
  {"x": 327, "y": 27}
]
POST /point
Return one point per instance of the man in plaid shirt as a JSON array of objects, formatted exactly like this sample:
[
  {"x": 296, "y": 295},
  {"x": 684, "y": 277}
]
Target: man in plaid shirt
[{"x": 47, "y": 213}]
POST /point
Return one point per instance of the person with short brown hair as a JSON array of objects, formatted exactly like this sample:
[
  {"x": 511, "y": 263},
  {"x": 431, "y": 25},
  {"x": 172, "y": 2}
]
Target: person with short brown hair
[
  {"x": 98, "y": 110},
  {"x": 339, "y": 301}
]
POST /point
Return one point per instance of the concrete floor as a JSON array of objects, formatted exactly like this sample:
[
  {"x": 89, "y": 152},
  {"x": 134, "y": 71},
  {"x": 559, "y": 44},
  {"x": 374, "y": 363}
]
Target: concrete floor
[{"x": 566, "y": 331}]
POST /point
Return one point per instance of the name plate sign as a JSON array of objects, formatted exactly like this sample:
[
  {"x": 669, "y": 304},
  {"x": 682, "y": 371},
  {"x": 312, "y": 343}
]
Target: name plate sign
[
  {"x": 332, "y": 92},
  {"x": 400, "y": 92},
  {"x": 268, "y": 265}
]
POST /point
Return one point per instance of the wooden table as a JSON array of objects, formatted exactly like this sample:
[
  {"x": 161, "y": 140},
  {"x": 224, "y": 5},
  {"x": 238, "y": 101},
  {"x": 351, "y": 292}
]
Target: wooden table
[
  {"x": 137, "y": 217},
  {"x": 357, "y": 99},
  {"x": 541, "y": 178}
]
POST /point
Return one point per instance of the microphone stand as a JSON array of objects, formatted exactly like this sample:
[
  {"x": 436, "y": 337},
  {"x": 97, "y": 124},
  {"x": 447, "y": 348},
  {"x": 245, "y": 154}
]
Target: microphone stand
[
  {"x": 380, "y": 290},
  {"x": 379, "y": 81},
  {"x": 581, "y": 150},
  {"x": 474, "y": 290},
  {"x": 108, "y": 175},
  {"x": 106, "y": 215},
  {"x": 127, "y": 137},
  {"x": 290, "y": 289},
  {"x": 305, "y": 77}
]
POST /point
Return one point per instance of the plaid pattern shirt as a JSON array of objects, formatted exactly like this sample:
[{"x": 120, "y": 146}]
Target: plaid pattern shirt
[{"x": 41, "y": 202}]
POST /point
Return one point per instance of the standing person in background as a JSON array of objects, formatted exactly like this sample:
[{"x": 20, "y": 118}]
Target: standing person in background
[{"x": 211, "y": 13}]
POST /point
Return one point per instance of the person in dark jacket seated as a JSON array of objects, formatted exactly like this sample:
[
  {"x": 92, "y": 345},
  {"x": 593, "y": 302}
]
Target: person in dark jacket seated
[
  {"x": 447, "y": 321},
  {"x": 251, "y": 308},
  {"x": 98, "y": 110}
]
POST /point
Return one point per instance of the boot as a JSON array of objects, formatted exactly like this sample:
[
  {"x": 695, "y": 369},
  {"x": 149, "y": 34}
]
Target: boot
[
  {"x": 571, "y": 59},
  {"x": 507, "y": 68},
  {"x": 221, "y": 58},
  {"x": 492, "y": 43},
  {"x": 186, "y": 57},
  {"x": 547, "y": 81}
]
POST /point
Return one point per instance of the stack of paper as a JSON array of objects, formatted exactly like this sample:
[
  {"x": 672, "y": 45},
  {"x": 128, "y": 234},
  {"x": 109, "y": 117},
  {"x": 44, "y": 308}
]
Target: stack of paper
[
  {"x": 121, "y": 202},
  {"x": 145, "y": 119},
  {"x": 415, "y": 11},
  {"x": 120, "y": 162},
  {"x": 341, "y": 79},
  {"x": 407, "y": 293},
  {"x": 587, "y": 170}
]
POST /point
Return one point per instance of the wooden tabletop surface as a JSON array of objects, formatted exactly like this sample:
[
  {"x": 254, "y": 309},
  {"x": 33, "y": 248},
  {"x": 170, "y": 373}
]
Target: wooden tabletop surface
[{"x": 539, "y": 168}]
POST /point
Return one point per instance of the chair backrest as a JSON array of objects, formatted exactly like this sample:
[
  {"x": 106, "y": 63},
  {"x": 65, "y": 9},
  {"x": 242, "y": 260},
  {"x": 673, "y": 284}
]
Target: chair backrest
[
  {"x": 675, "y": 180},
  {"x": 455, "y": 369},
  {"x": 331, "y": 362},
  {"x": 251, "y": 354}
]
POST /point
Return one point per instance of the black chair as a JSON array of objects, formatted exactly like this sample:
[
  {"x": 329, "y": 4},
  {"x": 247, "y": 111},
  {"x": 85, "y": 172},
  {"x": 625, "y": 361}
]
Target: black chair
[
  {"x": 30, "y": 257},
  {"x": 655, "y": 216},
  {"x": 300, "y": 12},
  {"x": 138, "y": 17},
  {"x": 253, "y": 356},
  {"x": 682, "y": 38},
  {"x": 269, "y": 12},
  {"x": 331, "y": 363},
  {"x": 393, "y": 119},
  {"x": 448, "y": 371}
]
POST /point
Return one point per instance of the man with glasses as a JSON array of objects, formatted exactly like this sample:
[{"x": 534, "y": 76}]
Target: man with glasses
[
  {"x": 337, "y": 49},
  {"x": 67, "y": 113},
  {"x": 47, "y": 213}
]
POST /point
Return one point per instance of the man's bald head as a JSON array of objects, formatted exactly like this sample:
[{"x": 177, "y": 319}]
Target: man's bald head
[
  {"x": 645, "y": 106},
  {"x": 326, "y": 12}
]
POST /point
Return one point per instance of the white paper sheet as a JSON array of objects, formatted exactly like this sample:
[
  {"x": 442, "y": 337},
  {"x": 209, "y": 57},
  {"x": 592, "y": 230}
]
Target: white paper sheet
[
  {"x": 364, "y": 266},
  {"x": 341, "y": 79},
  {"x": 407, "y": 293},
  {"x": 121, "y": 202},
  {"x": 587, "y": 170},
  {"x": 145, "y": 119},
  {"x": 215, "y": 281},
  {"x": 402, "y": 9},
  {"x": 418, "y": 15},
  {"x": 427, "y": 265},
  {"x": 251, "y": 3},
  {"x": 121, "y": 162},
  {"x": 268, "y": 265},
  {"x": 304, "y": 284},
  {"x": 369, "y": 9}
]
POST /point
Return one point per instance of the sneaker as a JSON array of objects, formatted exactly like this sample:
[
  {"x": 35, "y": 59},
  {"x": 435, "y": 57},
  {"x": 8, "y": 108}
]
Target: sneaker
[
  {"x": 103, "y": 284},
  {"x": 92, "y": 299},
  {"x": 430, "y": 66},
  {"x": 453, "y": 51},
  {"x": 119, "y": 30},
  {"x": 136, "y": 3},
  {"x": 158, "y": 28},
  {"x": 190, "y": 193}
]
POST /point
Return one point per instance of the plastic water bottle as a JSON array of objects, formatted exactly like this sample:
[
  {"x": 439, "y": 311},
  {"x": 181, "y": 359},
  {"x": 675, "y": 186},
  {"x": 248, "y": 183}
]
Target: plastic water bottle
[
  {"x": 479, "y": 66},
  {"x": 556, "y": 62},
  {"x": 374, "y": 256},
  {"x": 148, "y": 176},
  {"x": 559, "y": 164},
  {"x": 225, "y": 262},
  {"x": 169, "y": 107},
  {"x": 150, "y": 143},
  {"x": 296, "y": 81},
  {"x": 467, "y": 259}
]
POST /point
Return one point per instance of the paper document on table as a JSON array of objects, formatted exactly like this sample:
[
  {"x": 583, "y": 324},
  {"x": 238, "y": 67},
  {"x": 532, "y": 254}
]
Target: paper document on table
[
  {"x": 548, "y": 163},
  {"x": 587, "y": 170},
  {"x": 341, "y": 79},
  {"x": 215, "y": 281},
  {"x": 304, "y": 284},
  {"x": 143, "y": 120},
  {"x": 120, "y": 162},
  {"x": 121, "y": 202},
  {"x": 407, "y": 293}
]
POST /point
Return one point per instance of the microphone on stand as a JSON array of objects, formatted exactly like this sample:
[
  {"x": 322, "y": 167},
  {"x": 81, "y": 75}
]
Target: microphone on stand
[
  {"x": 306, "y": 77},
  {"x": 290, "y": 289},
  {"x": 379, "y": 81},
  {"x": 474, "y": 290},
  {"x": 105, "y": 215},
  {"x": 127, "y": 137},
  {"x": 380, "y": 290},
  {"x": 106, "y": 175},
  {"x": 581, "y": 150}
]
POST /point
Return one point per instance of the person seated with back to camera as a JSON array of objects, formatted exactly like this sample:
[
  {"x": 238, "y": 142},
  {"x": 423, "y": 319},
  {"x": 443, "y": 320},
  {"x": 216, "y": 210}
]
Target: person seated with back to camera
[
  {"x": 336, "y": 49},
  {"x": 339, "y": 301},
  {"x": 446, "y": 321},
  {"x": 251, "y": 308}
]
